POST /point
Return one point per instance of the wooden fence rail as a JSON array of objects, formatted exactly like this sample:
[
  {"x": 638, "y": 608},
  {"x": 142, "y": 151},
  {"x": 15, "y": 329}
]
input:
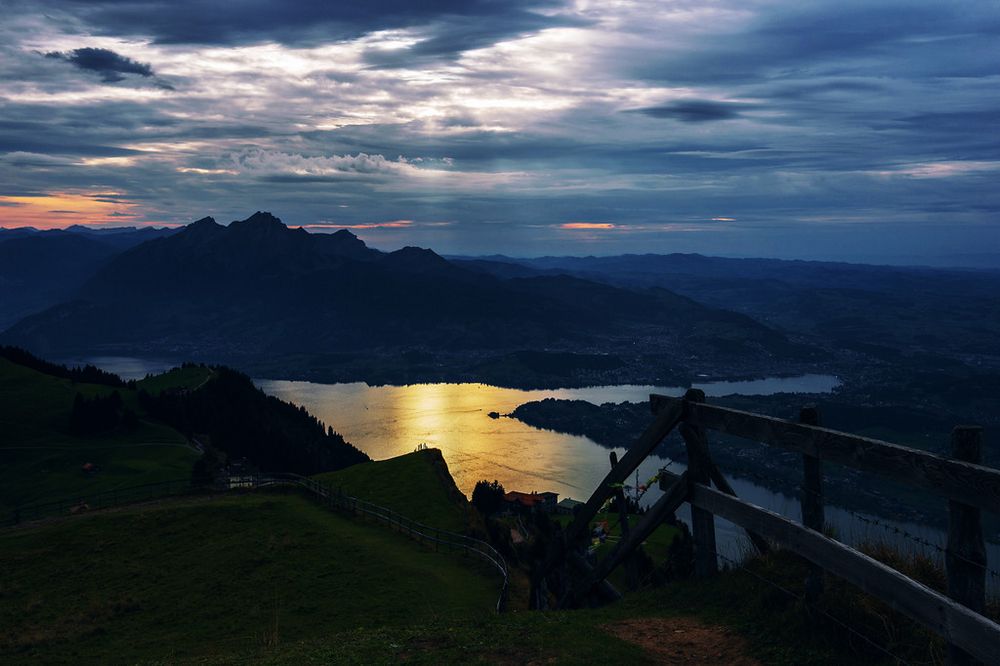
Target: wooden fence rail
[
  {"x": 968, "y": 486},
  {"x": 954, "y": 622},
  {"x": 965, "y": 482}
]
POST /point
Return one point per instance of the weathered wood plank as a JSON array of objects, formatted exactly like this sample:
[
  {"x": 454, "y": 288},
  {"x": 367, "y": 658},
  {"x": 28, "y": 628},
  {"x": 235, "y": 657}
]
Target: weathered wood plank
[
  {"x": 953, "y": 621},
  {"x": 699, "y": 440},
  {"x": 964, "y": 482},
  {"x": 965, "y": 557},
  {"x": 632, "y": 573},
  {"x": 699, "y": 471},
  {"x": 622, "y": 502},
  {"x": 813, "y": 514},
  {"x": 661, "y": 426}
]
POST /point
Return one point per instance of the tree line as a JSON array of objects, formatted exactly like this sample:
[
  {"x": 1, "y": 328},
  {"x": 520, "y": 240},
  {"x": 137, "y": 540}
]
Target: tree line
[
  {"x": 91, "y": 416},
  {"x": 244, "y": 422},
  {"x": 87, "y": 374}
]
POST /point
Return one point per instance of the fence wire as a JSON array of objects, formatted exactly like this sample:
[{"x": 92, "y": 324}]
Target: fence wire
[
  {"x": 812, "y": 607},
  {"x": 883, "y": 525}
]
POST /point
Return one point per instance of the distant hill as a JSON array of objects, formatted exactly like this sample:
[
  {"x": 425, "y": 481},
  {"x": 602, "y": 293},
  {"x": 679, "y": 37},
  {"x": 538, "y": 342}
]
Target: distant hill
[
  {"x": 879, "y": 310},
  {"x": 39, "y": 269},
  {"x": 257, "y": 289}
]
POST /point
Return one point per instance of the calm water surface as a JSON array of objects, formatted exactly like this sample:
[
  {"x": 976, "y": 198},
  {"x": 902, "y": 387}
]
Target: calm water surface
[{"x": 387, "y": 421}]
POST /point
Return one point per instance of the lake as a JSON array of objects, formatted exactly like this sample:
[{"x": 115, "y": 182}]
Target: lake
[{"x": 387, "y": 421}]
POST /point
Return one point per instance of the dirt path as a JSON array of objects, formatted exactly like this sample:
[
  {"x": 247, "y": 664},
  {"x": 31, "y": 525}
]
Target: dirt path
[{"x": 683, "y": 640}]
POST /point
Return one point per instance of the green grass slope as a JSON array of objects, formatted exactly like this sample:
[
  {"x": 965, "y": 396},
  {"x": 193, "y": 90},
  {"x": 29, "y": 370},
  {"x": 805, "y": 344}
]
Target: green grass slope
[
  {"x": 218, "y": 578},
  {"x": 40, "y": 458},
  {"x": 189, "y": 377},
  {"x": 276, "y": 579},
  {"x": 417, "y": 485}
]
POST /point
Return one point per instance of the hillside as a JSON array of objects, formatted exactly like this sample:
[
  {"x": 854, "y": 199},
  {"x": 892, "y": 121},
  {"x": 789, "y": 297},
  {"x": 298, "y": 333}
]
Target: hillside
[
  {"x": 275, "y": 579},
  {"x": 56, "y": 421},
  {"x": 218, "y": 579},
  {"x": 241, "y": 421},
  {"x": 41, "y": 457},
  {"x": 396, "y": 482}
]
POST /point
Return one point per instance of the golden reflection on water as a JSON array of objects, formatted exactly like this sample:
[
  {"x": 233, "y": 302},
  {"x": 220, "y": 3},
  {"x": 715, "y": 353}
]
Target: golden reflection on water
[{"x": 387, "y": 421}]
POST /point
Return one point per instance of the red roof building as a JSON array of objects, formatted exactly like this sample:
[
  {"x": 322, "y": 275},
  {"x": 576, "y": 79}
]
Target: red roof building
[{"x": 530, "y": 500}]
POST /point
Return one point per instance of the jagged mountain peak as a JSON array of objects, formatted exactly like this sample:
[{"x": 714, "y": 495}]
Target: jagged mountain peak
[
  {"x": 200, "y": 231},
  {"x": 205, "y": 222},
  {"x": 259, "y": 222}
]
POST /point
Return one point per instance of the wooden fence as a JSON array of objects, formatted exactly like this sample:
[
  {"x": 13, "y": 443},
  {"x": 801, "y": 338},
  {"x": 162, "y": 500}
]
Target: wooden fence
[{"x": 968, "y": 486}]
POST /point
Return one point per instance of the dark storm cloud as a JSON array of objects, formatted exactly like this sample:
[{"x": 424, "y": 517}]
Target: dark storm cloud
[
  {"x": 834, "y": 38},
  {"x": 694, "y": 111},
  {"x": 49, "y": 146},
  {"x": 110, "y": 65},
  {"x": 291, "y": 22},
  {"x": 458, "y": 34},
  {"x": 106, "y": 129}
]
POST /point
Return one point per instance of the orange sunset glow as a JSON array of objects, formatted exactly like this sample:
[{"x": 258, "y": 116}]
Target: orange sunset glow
[
  {"x": 587, "y": 225},
  {"x": 61, "y": 209}
]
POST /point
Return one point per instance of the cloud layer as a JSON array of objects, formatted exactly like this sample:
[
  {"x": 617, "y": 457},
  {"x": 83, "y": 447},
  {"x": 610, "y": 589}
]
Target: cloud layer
[{"x": 846, "y": 129}]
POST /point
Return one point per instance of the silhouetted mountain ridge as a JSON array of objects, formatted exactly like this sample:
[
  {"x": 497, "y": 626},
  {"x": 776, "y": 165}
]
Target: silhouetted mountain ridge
[{"x": 257, "y": 287}]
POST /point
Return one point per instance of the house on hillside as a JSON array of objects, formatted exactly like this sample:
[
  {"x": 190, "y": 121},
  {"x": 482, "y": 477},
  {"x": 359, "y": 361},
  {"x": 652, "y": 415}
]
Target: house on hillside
[{"x": 516, "y": 501}]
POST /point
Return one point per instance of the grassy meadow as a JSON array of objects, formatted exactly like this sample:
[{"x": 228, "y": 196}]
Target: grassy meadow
[
  {"x": 416, "y": 485},
  {"x": 218, "y": 577},
  {"x": 41, "y": 459}
]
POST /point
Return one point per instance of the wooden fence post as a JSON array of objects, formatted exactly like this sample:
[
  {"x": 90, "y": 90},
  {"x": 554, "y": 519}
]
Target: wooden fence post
[
  {"x": 965, "y": 557},
  {"x": 630, "y": 569},
  {"x": 706, "y": 562},
  {"x": 622, "y": 502},
  {"x": 812, "y": 501}
]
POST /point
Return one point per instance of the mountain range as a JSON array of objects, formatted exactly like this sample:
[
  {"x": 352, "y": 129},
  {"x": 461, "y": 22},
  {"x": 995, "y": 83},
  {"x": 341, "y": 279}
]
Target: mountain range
[
  {"x": 258, "y": 289},
  {"x": 879, "y": 310}
]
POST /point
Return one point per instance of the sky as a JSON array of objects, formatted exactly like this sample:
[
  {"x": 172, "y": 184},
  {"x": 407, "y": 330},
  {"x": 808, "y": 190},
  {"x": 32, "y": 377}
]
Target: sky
[{"x": 842, "y": 129}]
